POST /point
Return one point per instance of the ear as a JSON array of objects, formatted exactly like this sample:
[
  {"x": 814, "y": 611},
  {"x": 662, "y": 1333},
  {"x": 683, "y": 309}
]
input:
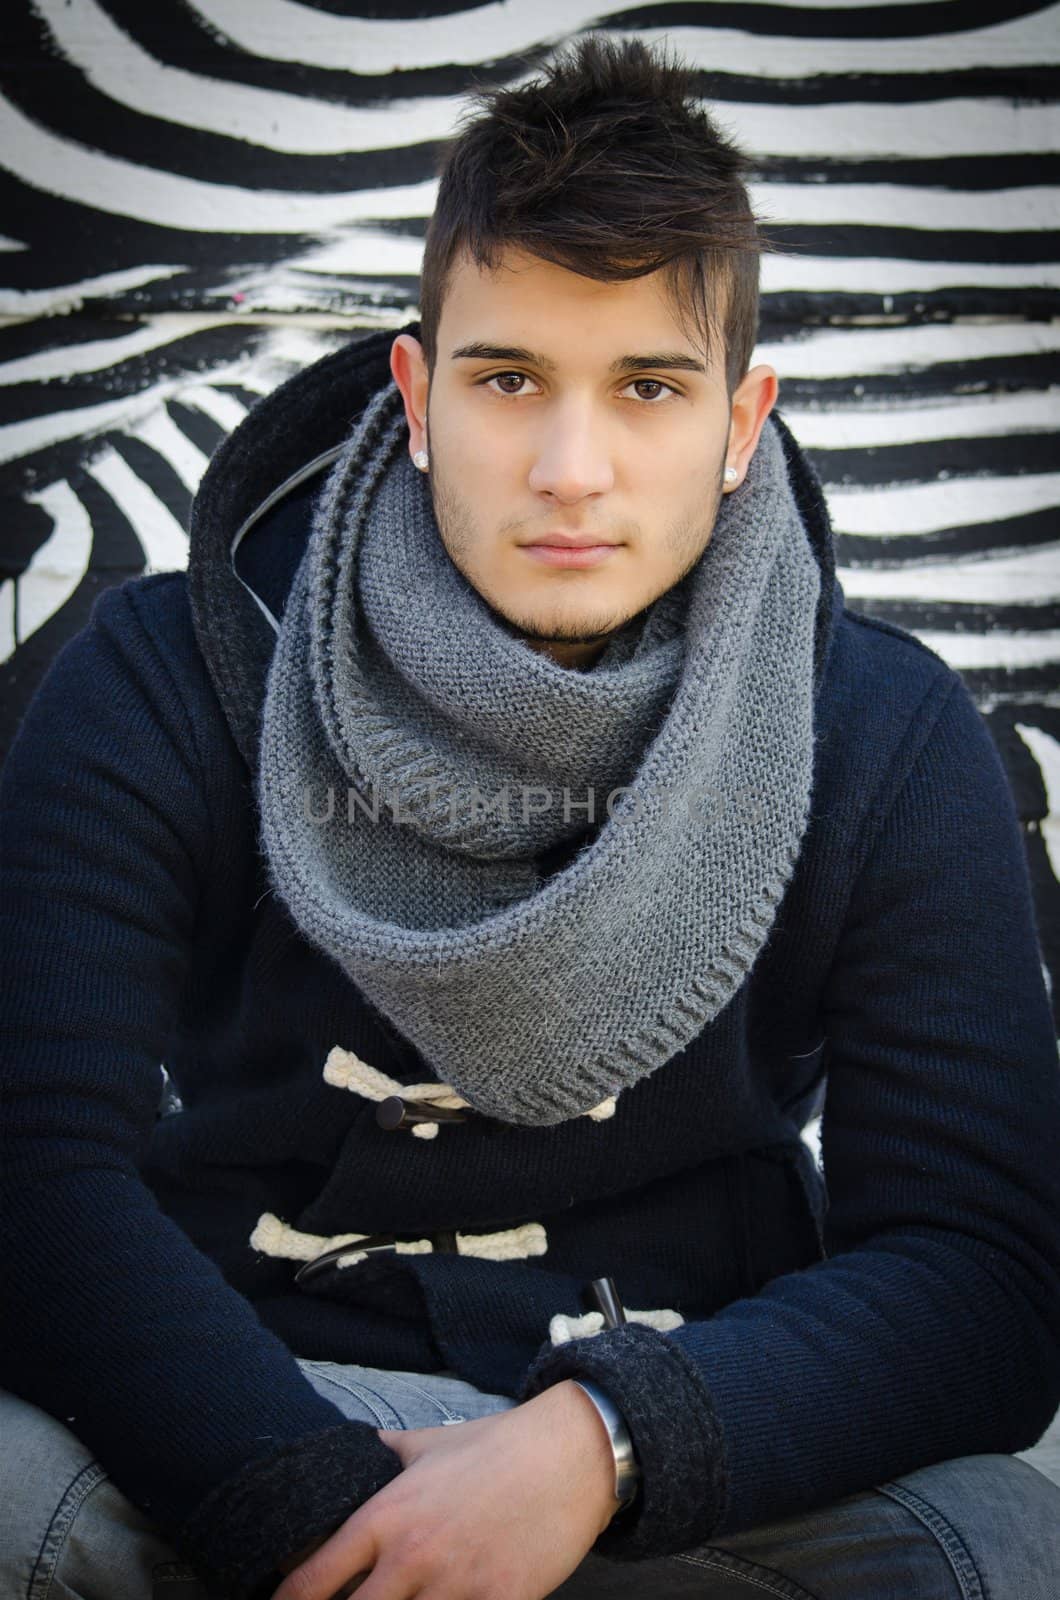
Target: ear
[
  {"x": 408, "y": 364},
  {"x": 752, "y": 402}
]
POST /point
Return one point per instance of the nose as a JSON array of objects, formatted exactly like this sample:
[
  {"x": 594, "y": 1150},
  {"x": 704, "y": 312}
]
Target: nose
[{"x": 573, "y": 457}]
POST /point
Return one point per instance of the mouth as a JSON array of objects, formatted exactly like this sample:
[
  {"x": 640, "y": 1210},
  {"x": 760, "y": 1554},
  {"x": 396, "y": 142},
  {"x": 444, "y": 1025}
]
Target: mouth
[{"x": 558, "y": 549}]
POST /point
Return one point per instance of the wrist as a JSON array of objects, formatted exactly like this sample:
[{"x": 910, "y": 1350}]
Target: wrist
[{"x": 625, "y": 1469}]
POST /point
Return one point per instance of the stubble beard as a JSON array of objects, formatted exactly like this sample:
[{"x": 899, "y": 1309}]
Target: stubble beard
[{"x": 688, "y": 539}]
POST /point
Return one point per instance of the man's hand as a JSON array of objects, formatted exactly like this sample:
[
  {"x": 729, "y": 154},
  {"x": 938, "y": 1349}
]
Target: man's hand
[{"x": 507, "y": 1505}]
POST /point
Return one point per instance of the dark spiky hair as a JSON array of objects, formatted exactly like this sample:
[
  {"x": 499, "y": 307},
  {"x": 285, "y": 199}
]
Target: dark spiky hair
[{"x": 609, "y": 166}]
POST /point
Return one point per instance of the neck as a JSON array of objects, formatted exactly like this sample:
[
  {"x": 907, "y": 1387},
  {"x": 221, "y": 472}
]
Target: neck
[{"x": 578, "y": 656}]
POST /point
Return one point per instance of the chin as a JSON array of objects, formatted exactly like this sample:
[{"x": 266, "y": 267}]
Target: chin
[{"x": 589, "y": 631}]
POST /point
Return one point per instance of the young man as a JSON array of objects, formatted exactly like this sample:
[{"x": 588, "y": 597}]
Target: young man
[{"x": 499, "y": 833}]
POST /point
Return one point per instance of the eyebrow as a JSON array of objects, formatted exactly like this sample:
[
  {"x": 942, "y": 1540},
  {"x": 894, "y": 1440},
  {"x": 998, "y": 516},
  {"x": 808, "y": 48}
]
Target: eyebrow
[{"x": 673, "y": 359}]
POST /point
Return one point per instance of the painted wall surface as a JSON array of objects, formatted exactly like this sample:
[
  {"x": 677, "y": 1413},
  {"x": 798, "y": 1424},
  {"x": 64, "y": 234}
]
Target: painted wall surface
[{"x": 197, "y": 197}]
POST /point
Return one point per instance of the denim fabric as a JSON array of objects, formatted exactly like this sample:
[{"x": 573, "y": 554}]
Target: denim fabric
[{"x": 979, "y": 1528}]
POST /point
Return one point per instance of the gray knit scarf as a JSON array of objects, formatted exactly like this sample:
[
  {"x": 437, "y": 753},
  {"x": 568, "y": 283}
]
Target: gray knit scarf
[{"x": 418, "y": 759}]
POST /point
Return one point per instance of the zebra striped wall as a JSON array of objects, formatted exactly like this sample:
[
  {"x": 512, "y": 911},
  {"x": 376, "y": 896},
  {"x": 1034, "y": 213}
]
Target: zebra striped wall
[{"x": 200, "y": 196}]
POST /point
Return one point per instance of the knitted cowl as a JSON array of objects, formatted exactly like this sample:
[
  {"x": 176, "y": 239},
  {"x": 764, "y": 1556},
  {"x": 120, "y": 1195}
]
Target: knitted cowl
[{"x": 417, "y": 758}]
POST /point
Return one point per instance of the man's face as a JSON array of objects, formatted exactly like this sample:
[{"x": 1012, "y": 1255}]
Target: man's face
[{"x": 563, "y": 406}]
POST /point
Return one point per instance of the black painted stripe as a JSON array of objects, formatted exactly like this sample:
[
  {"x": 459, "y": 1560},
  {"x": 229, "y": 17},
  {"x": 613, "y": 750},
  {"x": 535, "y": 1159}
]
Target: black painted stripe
[
  {"x": 176, "y": 36},
  {"x": 189, "y": 357},
  {"x": 58, "y": 96},
  {"x": 37, "y": 335},
  {"x": 200, "y": 428},
  {"x": 954, "y": 172},
  {"x": 987, "y": 685},
  {"x": 924, "y": 461},
  {"x": 1012, "y": 534},
  {"x": 1000, "y": 374},
  {"x": 72, "y": 242},
  {"x": 26, "y": 527},
  {"x": 962, "y": 617},
  {"x": 152, "y": 468},
  {"x": 884, "y": 21}
]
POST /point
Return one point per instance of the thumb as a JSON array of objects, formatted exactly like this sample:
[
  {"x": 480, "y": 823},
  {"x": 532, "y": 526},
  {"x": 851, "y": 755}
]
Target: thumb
[{"x": 404, "y": 1443}]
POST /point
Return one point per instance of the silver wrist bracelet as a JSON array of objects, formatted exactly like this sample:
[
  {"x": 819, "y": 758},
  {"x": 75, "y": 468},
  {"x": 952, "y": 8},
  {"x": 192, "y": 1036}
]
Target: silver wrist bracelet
[{"x": 627, "y": 1472}]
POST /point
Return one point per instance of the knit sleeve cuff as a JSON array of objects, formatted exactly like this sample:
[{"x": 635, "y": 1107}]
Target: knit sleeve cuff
[
  {"x": 676, "y": 1436},
  {"x": 277, "y": 1504}
]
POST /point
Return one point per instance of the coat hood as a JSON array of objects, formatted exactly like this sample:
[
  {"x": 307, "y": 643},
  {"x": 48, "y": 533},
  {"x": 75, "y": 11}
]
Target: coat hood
[{"x": 251, "y": 517}]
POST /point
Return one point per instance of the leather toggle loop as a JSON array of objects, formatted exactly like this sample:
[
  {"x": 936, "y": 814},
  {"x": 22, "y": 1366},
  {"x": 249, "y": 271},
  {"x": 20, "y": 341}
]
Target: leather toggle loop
[
  {"x": 394, "y": 1112},
  {"x": 443, "y": 1241},
  {"x": 372, "y": 1244}
]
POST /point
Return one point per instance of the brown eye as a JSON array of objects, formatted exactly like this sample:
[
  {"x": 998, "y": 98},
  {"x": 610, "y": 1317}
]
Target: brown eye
[{"x": 509, "y": 377}]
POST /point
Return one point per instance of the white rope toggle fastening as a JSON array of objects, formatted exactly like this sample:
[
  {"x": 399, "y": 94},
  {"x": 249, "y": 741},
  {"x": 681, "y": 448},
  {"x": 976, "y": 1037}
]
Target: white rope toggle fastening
[
  {"x": 343, "y": 1069},
  {"x": 276, "y": 1238},
  {"x": 562, "y": 1329}
]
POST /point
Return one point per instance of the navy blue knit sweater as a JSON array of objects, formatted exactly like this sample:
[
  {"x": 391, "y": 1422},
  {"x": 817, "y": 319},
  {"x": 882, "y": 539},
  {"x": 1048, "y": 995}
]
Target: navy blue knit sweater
[{"x": 832, "y": 1338}]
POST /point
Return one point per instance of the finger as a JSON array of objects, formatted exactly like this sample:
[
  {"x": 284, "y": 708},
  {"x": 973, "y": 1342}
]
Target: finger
[
  {"x": 344, "y": 1559},
  {"x": 386, "y": 1582}
]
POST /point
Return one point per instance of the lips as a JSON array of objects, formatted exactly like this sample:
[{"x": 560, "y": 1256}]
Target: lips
[
  {"x": 572, "y": 541},
  {"x": 559, "y": 547}
]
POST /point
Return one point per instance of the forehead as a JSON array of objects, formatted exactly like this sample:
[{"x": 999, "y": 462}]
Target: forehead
[{"x": 529, "y": 301}]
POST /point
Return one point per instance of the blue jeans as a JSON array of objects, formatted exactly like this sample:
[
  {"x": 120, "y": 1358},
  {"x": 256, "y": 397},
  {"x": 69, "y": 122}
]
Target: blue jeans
[{"x": 979, "y": 1528}]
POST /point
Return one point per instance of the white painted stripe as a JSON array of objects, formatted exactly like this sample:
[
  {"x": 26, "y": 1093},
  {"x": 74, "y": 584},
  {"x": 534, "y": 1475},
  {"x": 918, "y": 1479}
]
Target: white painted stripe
[
  {"x": 365, "y": 254},
  {"x": 20, "y": 303},
  {"x": 292, "y": 347},
  {"x": 61, "y": 166},
  {"x": 12, "y": 244},
  {"x": 1026, "y": 41},
  {"x": 885, "y": 275},
  {"x": 36, "y": 433},
  {"x": 857, "y": 352},
  {"x": 855, "y": 130},
  {"x": 1029, "y": 577},
  {"x": 993, "y": 651},
  {"x": 288, "y": 349},
  {"x": 831, "y": 5},
  {"x": 121, "y": 188},
  {"x": 276, "y": 292},
  {"x": 285, "y": 31},
  {"x": 118, "y": 67},
  {"x": 95, "y": 355},
  {"x": 892, "y": 205},
  {"x": 1046, "y": 752},
  {"x": 7, "y": 619},
  {"x": 225, "y": 409},
  {"x": 173, "y": 445},
  {"x": 368, "y": 253},
  {"x": 852, "y": 130},
  {"x": 861, "y": 426},
  {"x": 882, "y": 205},
  {"x": 926, "y": 508},
  {"x": 164, "y": 541},
  {"x": 60, "y": 563}
]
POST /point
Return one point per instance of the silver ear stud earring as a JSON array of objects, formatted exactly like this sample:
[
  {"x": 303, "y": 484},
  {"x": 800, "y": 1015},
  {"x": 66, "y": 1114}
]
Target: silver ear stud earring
[
  {"x": 731, "y": 474},
  {"x": 422, "y": 460}
]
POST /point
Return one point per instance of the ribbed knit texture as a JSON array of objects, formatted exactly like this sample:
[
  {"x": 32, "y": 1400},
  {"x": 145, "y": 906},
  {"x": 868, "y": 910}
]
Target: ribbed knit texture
[
  {"x": 314, "y": 1485},
  {"x": 137, "y": 927},
  {"x": 439, "y": 914},
  {"x": 657, "y": 1389}
]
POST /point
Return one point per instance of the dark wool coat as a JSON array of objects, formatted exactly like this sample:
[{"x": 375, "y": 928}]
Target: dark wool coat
[{"x": 831, "y": 1339}]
